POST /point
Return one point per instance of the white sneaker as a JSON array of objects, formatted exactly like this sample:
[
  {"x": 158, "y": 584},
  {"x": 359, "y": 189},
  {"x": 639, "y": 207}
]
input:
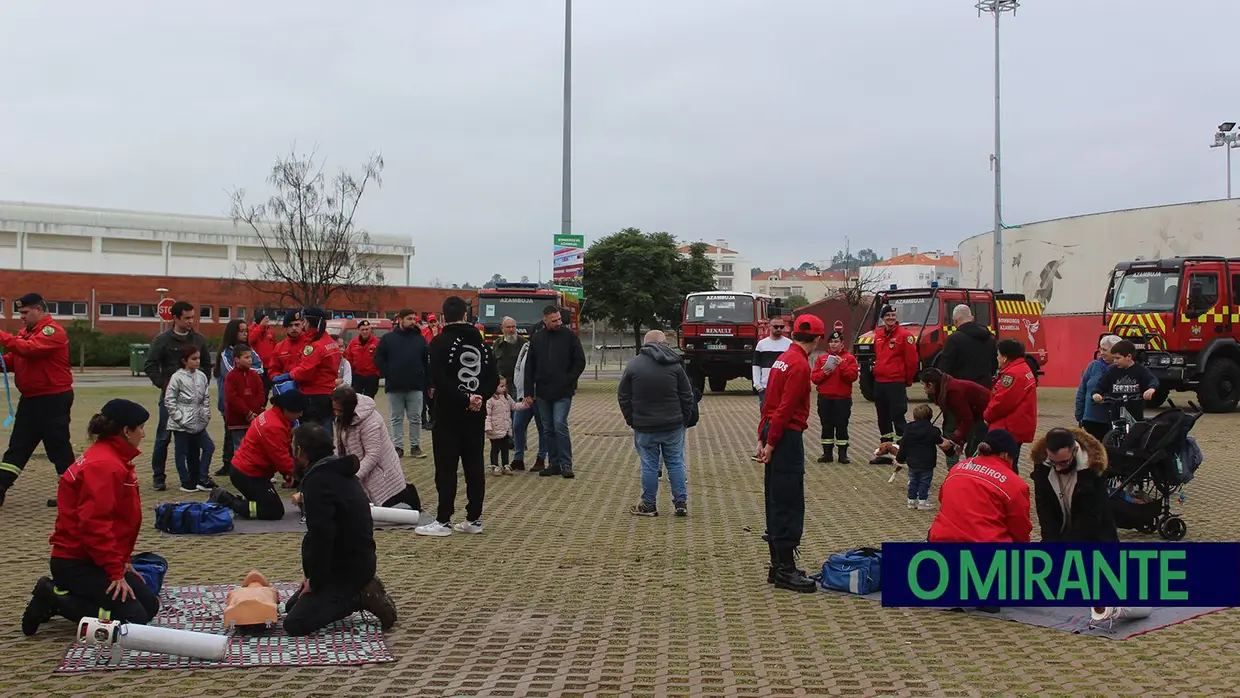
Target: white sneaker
[
  {"x": 506, "y": 470},
  {"x": 912, "y": 504},
  {"x": 925, "y": 505},
  {"x": 469, "y": 526},
  {"x": 434, "y": 528},
  {"x": 495, "y": 470}
]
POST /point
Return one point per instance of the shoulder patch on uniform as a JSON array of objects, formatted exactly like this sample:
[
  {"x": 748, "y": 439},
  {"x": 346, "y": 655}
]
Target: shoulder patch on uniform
[
  {"x": 49, "y": 331},
  {"x": 910, "y": 339},
  {"x": 1006, "y": 381},
  {"x": 307, "y": 351}
]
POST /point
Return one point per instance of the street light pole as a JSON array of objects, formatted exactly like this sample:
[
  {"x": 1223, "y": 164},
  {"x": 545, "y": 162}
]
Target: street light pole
[
  {"x": 1227, "y": 138},
  {"x": 997, "y": 8},
  {"x": 566, "y": 186}
]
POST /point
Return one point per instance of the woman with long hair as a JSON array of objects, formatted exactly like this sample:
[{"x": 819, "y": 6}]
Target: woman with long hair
[
  {"x": 361, "y": 431},
  {"x": 98, "y": 519},
  {"x": 237, "y": 331}
]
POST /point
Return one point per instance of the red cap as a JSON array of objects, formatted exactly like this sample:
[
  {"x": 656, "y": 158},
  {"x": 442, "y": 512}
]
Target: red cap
[
  {"x": 809, "y": 324},
  {"x": 430, "y": 317}
]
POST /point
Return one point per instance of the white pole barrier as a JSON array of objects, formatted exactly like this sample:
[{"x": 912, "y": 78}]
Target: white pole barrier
[
  {"x": 1113, "y": 613},
  {"x": 147, "y": 638},
  {"x": 407, "y": 517}
]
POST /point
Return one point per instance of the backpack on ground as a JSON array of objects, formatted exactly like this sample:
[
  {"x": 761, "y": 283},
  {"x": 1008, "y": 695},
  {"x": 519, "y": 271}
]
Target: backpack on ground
[
  {"x": 858, "y": 571},
  {"x": 151, "y": 568},
  {"x": 193, "y": 517}
]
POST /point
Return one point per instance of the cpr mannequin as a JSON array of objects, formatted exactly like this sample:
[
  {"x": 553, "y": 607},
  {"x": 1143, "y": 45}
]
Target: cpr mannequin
[{"x": 253, "y": 603}]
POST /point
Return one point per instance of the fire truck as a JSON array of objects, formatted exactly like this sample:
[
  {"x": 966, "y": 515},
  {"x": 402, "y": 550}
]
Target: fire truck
[
  {"x": 927, "y": 313},
  {"x": 347, "y": 327},
  {"x": 523, "y": 302},
  {"x": 1182, "y": 314},
  {"x": 719, "y": 332}
]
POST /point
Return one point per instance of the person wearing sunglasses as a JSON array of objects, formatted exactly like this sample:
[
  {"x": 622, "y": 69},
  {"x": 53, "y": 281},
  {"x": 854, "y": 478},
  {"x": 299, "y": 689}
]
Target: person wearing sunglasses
[{"x": 1069, "y": 490}]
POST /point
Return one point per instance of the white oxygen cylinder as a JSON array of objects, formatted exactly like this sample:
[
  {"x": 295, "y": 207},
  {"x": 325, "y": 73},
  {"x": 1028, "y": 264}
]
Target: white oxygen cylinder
[
  {"x": 391, "y": 515},
  {"x": 148, "y": 638},
  {"x": 1113, "y": 613}
]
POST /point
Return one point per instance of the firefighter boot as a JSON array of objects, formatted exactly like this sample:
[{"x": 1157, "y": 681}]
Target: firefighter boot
[
  {"x": 844, "y": 456},
  {"x": 826, "y": 456},
  {"x": 770, "y": 571},
  {"x": 787, "y": 576}
]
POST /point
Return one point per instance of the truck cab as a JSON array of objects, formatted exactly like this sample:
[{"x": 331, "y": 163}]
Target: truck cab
[
  {"x": 523, "y": 302},
  {"x": 347, "y": 327},
  {"x": 926, "y": 313},
  {"x": 1183, "y": 316},
  {"x": 719, "y": 332}
]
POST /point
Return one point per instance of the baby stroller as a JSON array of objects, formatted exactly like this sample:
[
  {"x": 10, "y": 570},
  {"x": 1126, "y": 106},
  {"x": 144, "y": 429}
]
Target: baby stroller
[{"x": 1147, "y": 465}]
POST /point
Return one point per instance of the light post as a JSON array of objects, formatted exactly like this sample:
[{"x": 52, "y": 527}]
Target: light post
[
  {"x": 997, "y": 8},
  {"x": 566, "y": 167},
  {"x": 1227, "y": 138},
  {"x": 161, "y": 292}
]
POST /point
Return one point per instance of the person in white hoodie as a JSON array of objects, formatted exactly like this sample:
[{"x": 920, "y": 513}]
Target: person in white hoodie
[
  {"x": 766, "y": 353},
  {"x": 188, "y": 403}
]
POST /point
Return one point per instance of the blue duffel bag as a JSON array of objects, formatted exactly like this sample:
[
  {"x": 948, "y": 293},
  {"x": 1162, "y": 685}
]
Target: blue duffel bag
[
  {"x": 858, "y": 571},
  {"x": 200, "y": 518},
  {"x": 151, "y": 568}
]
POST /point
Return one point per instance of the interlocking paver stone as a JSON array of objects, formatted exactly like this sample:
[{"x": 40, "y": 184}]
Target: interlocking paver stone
[{"x": 567, "y": 594}]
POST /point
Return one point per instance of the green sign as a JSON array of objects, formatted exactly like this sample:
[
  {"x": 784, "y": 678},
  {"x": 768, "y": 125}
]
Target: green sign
[
  {"x": 577, "y": 241},
  {"x": 570, "y": 291}
]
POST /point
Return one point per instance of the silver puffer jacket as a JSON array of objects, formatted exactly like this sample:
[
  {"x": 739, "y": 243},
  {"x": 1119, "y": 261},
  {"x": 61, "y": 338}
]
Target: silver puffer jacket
[{"x": 188, "y": 401}]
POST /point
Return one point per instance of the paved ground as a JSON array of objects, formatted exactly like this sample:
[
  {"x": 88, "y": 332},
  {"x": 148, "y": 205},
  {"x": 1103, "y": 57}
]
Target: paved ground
[{"x": 567, "y": 594}]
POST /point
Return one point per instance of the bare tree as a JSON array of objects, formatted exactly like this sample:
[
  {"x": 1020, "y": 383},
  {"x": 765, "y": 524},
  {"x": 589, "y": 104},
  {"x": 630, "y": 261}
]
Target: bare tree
[
  {"x": 312, "y": 248},
  {"x": 860, "y": 287}
]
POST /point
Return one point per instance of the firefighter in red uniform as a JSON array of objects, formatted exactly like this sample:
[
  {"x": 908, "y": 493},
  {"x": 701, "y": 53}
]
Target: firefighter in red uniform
[
  {"x": 38, "y": 358},
  {"x": 429, "y": 331},
  {"x": 835, "y": 379},
  {"x": 288, "y": 353},
  {"x": 895, "y": 368},
  {"x": 261, "y": 339},
  {"x": 315, "y": 375},
  {"x": 1014, "y": 398},
  {"x": 784, "y": 419},
  {"x": 265, "y": 450},
  {"x": 361, "y": 356},
  {"x": 982, "y": 499}
]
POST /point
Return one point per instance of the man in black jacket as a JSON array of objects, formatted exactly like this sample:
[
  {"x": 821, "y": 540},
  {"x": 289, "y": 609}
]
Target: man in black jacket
[
  {"x": 659, "y": 403},
  {"x": 463, "y": 376},
  {"x": 163, "y": 359},
  {"x": 554, "y": 363},
  {"x": 338, "y": 550},
  {"x": 969, "y": 352},
  {"x": 403, "y": 359}
]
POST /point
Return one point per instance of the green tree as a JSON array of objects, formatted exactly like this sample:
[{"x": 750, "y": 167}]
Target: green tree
[
  {"x": 794, "y": 302},
  {"x": 635, "y": 280}
]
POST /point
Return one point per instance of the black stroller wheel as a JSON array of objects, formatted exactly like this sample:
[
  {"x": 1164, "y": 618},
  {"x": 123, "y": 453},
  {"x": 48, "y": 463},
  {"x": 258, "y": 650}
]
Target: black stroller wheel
[{"x": 1173, "y": 528}]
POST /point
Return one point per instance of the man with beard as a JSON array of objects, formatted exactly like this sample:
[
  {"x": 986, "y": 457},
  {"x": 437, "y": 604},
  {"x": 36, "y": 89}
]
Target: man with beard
[
  {"x": 403, "y": 359},
  {"x": 554, "y": 363},
  {"x": 361, "y": 356},
  {"x": 766, "y": 353},
  {"x": 38, "y": 356},
  {"x": 463, "y": 375},
  {"x": 507, "y": 347},
  {"x": 315, "y": 374}
]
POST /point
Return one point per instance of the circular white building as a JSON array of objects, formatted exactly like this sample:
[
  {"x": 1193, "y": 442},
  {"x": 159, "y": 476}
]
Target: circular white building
[{"x": 1066, "y": 264}]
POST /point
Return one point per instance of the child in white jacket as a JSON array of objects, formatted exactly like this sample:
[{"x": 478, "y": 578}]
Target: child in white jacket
[
  {"x": 188, "y": 403},
  {"x": 499, "y": 428}
]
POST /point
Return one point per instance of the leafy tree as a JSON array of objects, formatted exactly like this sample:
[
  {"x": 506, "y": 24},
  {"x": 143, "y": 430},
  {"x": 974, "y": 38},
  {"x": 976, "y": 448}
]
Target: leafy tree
[
  {"x": 806, "y": 266},
  {"x": 468, "y": 287},
  {"x": 635, "y": 280},
  {"x": 496, "y": 280},
  {"x": 312, "y": 248},
  {"x": 796, "y": 301},
  {"x": 754, "y": 271},
  {"x": 525, "y": 279},
  {"x": 847, "y": 261},
  {"x": 868, "y": 257}
]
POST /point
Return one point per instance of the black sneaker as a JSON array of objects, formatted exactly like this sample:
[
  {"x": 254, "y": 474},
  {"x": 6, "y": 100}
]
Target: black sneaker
[
  {"x": 682, "y": 509},
  {"x": 159, "y": 487},
  {"x": 42, "y": 606},
  {"x": 417, "y": 452},
  {"x": 375, "y": 599},
  {"x": 518, "y": 464},
  {"x": 644, "y": 509},
  {"x": 219, "y": 495},
  {"x": 51, "y": 503},
  {"x": 539, "y": 465},
  {"x": 567, "y": 473},
  {"x": 400, "y": 452},
  {"x": 223, "y": 471},
  {"x": 551, "y": 470},
  {"x": 206, "y": 486},
  {"x": 188, "y": 488}
]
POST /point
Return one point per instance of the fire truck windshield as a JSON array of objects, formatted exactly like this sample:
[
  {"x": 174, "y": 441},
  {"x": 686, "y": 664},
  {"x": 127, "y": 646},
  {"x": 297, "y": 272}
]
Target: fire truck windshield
[
  {"x": 1146, "y": 291},
  {"x": 913, "y": 311},
  {"x": 719, "y": 308},
  {"x": 526, "y": 311}
]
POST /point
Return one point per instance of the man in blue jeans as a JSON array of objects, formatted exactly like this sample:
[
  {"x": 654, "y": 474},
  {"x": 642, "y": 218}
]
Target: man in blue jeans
[
  {"x": 553, "y": 364},
  {"x": 163, "y": 359},
  {"x": 658, "y": 402},
  {"x": 403, "y": 359}
]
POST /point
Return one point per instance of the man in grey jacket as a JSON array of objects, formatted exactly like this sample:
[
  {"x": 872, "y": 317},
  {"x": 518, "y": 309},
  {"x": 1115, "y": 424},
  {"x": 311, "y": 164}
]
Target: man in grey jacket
[
  {"x": 658, "y": 402},
  {"x": 164, "y": 359}
]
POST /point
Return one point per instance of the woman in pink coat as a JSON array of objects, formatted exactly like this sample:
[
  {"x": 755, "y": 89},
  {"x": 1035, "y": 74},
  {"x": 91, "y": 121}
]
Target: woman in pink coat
[
  {"x": 498, "y": 428},
  {"x": 361, "y": 431}
]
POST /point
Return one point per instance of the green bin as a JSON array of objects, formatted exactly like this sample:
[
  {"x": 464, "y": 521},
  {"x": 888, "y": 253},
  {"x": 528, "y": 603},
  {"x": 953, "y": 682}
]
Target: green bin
[{"x": 137, "y": 358}]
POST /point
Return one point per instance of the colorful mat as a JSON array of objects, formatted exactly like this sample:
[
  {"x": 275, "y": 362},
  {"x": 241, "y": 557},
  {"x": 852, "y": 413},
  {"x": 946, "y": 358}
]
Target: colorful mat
[
  {"x": 1077, "y": 620},
  {"x": 350, "y": 642}
]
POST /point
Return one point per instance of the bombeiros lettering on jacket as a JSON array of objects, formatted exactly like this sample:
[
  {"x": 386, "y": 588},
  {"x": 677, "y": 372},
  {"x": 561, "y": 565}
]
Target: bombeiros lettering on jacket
[
  {"x": 779, "y": 365},
  {"x": 983, "y": 470}
]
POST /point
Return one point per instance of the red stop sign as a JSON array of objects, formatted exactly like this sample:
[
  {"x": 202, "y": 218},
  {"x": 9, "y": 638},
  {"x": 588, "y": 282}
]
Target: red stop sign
[
  {"x": 165, "y": 309},
  {"x": 839, "y": 326}
]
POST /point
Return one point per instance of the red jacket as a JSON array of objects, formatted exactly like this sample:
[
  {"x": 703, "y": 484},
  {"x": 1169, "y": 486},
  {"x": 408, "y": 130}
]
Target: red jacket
[
  {"x": 837, "y": 384},
  {"x": 286, "y": 355},
  {"x": 966, "y": 402},
  {"x": 787, "y": 396},
  {"x": 429, "y": 334},
  {"x": 982, "y": 501},
  {"x": 262, "y": 342},
  {"x": 244, "y": 393},
  {"x": 895, "y": 356},
  {"x": 1014, "y": 402},
  {"x": 266, "y": 448},
  {"x": 99, "y": 511},
  {"x": 39, "y": 358},
  {"x": 362, "y": 356},
  {"x": 319, "y": 367}
]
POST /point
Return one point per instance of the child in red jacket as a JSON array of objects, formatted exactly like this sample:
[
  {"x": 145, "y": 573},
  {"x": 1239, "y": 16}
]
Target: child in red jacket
[
  {"x": 834, "y": 373},
  {"x": 245, "y": 395}
]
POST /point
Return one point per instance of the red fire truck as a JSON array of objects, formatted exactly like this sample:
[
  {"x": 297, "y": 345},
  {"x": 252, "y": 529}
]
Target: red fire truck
[
  {"x": 523, "y": 302},
  {"x": 1183, "y": 315},
  {"x": 718, "y": 334},
  {"x": 926, "y": 312}
]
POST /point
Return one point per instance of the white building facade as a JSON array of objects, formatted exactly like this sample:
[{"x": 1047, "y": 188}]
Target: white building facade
[
  {"x": 731, "y": 271},
  {"x": 912, "y": 269},
  {"x": 43, "y": 237}
]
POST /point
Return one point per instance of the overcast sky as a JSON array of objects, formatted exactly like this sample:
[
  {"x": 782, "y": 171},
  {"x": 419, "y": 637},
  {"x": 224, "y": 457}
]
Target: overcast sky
[{"x": 782, "y": 126}]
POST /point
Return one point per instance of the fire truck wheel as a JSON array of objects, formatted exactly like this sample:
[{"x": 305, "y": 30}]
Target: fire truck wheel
[
  {"x": 718, "y": 384},
  {"x": 1220, "y": 386}
]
